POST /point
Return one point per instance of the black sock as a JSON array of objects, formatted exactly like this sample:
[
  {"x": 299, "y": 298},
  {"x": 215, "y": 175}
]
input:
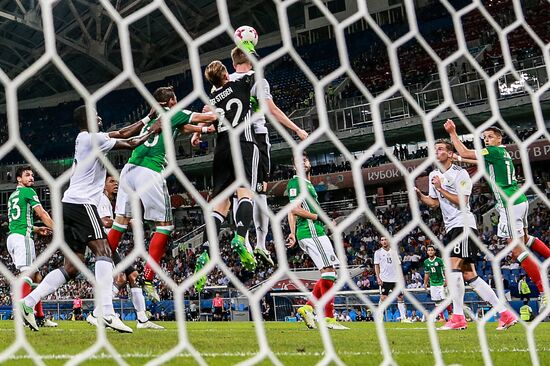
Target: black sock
[
  {"x": 218, "y": 219},
  {"x": 244, "y": 216}
]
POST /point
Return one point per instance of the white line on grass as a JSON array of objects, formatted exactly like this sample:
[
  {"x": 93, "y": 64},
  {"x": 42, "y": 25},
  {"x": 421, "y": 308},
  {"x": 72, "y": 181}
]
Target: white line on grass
[{"x": 102, "y": 356}]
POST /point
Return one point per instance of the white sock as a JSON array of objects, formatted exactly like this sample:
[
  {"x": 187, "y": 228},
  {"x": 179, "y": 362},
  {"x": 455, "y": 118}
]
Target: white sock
[
  {"x": 456, "y": 287},
  {"x": 261, "y": 220},
  {"x": 485, "y": 291},
  {"x": 402, "y": 310},
  {"x": 139, "y": 303},
  {"x": 104, "y": 278},
  {"x": 53, "y": 280}
]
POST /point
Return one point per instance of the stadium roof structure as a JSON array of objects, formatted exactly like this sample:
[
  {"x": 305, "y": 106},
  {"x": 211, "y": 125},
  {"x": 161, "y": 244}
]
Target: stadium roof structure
[{"x": 87, "y": 38}]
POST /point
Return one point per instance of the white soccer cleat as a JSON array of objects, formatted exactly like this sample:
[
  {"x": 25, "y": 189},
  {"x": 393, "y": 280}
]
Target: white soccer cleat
[
  {"x": 28, "y": 315},
  {"x": 50, "y": 324},
  {"x": 91, "y": 319},
  {"x": 114, "y": 322},
  {"x": 149, "y": 325},
  {"x": 306, "y": 312},
  {"x": 333, "y": 324},
  {"x": 406, "y": 320}
]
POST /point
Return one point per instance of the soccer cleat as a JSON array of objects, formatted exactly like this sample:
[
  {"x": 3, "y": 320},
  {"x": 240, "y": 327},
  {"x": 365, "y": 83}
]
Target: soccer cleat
[
  {"x": 457, "y": 322},
  {"x": 333, "y": 324},
  {"x": 406, "y": 320},
  {"x": 114, "y": 322},
  {"x": 148, "y": 325},
  {"x": 46, "y": 323},
  {"x": 28, "y": 315},
  {"x": 265, "y": 256},
  {"x": 507, "y": 319},
  {"x": 306, "y": 312},
  {"x": 201, "y": 262},
  {"x": 247, "y": 259},
  {"x": 91, "y": 319},
  {"x": 150, "y": 291}
]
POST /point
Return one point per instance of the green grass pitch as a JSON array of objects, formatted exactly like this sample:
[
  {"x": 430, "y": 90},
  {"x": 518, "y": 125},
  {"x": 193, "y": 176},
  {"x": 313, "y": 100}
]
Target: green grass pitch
[{"x": 230, "y": 343}]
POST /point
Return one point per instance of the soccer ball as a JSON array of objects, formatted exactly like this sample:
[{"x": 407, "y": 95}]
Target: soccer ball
[{"x": 246, "y": 33}]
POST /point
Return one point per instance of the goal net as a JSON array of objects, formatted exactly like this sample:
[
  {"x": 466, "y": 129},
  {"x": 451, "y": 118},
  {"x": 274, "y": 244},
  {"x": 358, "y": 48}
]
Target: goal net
[{"x": 372, "y": 84}]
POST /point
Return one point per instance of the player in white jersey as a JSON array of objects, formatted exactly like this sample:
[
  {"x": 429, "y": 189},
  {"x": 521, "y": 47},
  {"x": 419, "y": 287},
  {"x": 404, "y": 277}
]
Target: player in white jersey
[
  {"x": 243, "y": 67},
  {"x": 386, "y": 263},
  {"x": 82, "y": 224},
  {"x": 450, "y": 189},
  {"x": 130, "y": 274}
]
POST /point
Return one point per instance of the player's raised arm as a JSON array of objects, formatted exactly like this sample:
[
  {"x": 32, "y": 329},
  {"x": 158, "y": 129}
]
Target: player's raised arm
[
  {"x": 135, "y": 128},
  {"x": 462, "y": 150},
  {"x": 282, "y": 118},
  {"x": 132, "y": 143},
  {"x": 427, "y": 200}
]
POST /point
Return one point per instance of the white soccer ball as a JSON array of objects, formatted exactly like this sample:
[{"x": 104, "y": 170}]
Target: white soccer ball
[{"x": 246, "y": 33}]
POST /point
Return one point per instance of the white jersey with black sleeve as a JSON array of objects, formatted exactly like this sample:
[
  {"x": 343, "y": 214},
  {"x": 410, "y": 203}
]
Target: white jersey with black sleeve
[
  {"x": 258, "y": 118},
  {"x": 388, "y": 267},
  {"x": 455, "y": 180},
  {"x": 88, "y": 179}
]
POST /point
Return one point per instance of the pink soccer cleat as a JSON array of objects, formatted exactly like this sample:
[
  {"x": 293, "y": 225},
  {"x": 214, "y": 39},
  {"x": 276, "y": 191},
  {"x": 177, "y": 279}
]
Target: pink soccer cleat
[
  {"x": 457, "y": 322},
  {"x": 507, "y": 319}
]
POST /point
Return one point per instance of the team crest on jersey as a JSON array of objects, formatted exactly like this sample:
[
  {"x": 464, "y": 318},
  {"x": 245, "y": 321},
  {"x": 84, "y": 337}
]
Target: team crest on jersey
[
  {"x": 436, "y": 264},
  {"x": 292, "y": 192},
  {"x": 333, "y": 258}
]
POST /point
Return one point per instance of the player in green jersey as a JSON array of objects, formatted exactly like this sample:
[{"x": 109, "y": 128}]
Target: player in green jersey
[
  {"x": 309, "y": 231},
  {"x": 22, "y": 205},
  {"x": 513, "y": 215},
  {"x": 434, "y": 277},
  {"x": 143, "y": 175}
]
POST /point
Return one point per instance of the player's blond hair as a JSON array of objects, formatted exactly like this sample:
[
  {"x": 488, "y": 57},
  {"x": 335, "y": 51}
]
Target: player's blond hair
[
  {"x": 215, "y": 73},
  {"x": 239, "y": 57}
]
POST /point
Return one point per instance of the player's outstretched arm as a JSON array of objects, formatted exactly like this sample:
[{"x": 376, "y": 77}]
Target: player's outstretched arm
[
  {"x": 44, "y": 216},
  {"x": 281, "y": 117},
  {"x": 462, "y": 150},
  {"x": 291, "y": 240},
  {"x": 133, "y": 129},
  {"x": 427, "y": 200},
  {"x": 132, "y": 143},
  {"x": 426, "y": 280}
]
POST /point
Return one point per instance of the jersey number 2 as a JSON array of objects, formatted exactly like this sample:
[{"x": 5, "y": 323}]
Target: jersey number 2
[{"x": 222, "y": 126}]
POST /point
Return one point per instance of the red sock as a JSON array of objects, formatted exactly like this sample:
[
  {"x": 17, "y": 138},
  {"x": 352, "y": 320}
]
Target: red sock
[
  {"x": 316, "y": 293},
  {"x": 25, "y": 289},
  {"x": 329, "y": 307},
  {"x": 156, "y": 251},
  {"x": 39, "y": 310},
  {"x": 539, "y": 247},
  {"x": 533, "y": 271},
  {"x": 114, "y": 236},
  {"x": 450, "y": 310}
]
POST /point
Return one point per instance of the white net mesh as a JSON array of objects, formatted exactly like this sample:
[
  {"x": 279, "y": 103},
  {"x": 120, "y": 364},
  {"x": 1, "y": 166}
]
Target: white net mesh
[{"x": 429, "y": 118}]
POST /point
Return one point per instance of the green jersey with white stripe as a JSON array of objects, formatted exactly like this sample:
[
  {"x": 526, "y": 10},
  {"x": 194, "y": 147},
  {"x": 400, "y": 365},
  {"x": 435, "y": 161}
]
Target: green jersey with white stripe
[
  {"x": 305, "y": 228},
  {"x": 435, "y": 269},
  {"x": 20, "y": 210},
  {"x": 152, "y": 154},
  {"x": 502, "y": 174}
]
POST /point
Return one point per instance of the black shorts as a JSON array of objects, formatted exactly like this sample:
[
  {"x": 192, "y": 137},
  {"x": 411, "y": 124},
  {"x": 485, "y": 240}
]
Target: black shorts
[
  {"x": 82, "y": 225},
  {"x": 386, "y": 288},
  {"x": 77, "y": 311},
  {"x": 224, "y": 170},
  {"x": 262, "y": 140},
  {"x": 117, "y": 260},
  {"x": 218, "y": 311},
  {"x": 465, "y": 248}
]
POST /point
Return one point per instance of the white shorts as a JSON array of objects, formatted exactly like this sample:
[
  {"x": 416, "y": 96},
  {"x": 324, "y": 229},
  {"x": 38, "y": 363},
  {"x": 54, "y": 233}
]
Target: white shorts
[
  {"x": 508, "y": 228},
  {"x": 151, "y": 188},
  {"x": 320, "y": 250},
  {"x": 21, "y": 249},
  {"x": 437, "y": 293}
]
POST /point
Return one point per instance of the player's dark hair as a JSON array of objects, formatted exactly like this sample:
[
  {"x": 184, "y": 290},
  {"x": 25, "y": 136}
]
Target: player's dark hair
[
  {"x": 19, "y": 172},
  {"x": 215, "y": 73},
  {"x": 430, "y": 246},
  {"x": 163, "y": 94},
  {"x": 79, "y": 117},
  {"x": 239, "y": 57},
  {"x": 447, "y": 144},
  {"x": 496, "y": 130}
]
